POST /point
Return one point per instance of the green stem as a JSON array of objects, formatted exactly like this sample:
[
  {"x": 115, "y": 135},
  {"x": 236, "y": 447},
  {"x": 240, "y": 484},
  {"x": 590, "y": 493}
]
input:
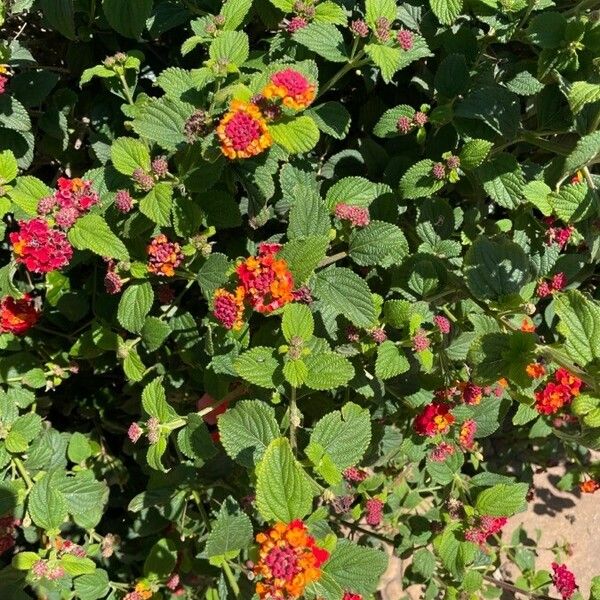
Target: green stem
[
  {"x": 126, "y": 89},
  {"x": 331, "y": 259},
  {"x": 512, "y": 588},
  {"x": 235, "y": 588},
  {"x": 578, "y": 8},
  {"x": 23, "y": 472},
  {"x": 293, "y": 421},
  {"x": 352, "y": 64}
]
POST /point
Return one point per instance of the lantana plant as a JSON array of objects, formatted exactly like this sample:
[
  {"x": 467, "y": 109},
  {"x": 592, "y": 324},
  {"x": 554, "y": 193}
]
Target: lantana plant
[{"x": 293, "y": 292}]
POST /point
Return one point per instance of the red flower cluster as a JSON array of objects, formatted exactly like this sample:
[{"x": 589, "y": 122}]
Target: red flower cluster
[
  {"x": 292, "y": 88},
  {"x": 558, "y": 393},
  {"x": 163, "y": 256},
  {"x": 351, "y": 596},
  {"x": 589, "y": 486},
  {"x": 39, "y": 247},
  {"x": 563, "y": 580},
  {"x": 3, "y": 79},
  {"x": 357, "y": 215},
  {"x": 289, "y": 561},
  {"x": 547, "y": 288},
  {"x": 484, "y": 528},
  {"x": 8, "y": 532},
  {"x": 243, "y": 131},
  {"x": 558, "y": 235},
  {"x": 470, "y": 393},
  {"x": 17, "y": 316},
  {"x": 435, "y": 418},
  {"x": 71, "y": 200},
  {"x": 441, "y": 452},
  {"x": 355, "y": 475}
]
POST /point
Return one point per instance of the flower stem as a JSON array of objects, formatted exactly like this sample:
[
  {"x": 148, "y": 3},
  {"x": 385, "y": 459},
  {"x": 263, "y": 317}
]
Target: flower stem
[
  {"x": 23, "y": 472},
  {"x": 512, "y": 588},
  {"x": 331, "y": 259},
  {"x": 293, "y": 421},
  {"x": 235, "y": 588}
]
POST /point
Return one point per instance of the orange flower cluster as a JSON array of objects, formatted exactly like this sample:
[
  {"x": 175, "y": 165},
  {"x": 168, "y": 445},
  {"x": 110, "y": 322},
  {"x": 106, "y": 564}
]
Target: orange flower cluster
[
  {"x": 289, "y": 561},
  {"x": 589, "y": 486},
  {"x": 163, "y": 256},
  {"x": 535, "y": 370},
  {"x": 294, "y": 90},
  {"x": 17, "y": 316},
  {"x": 140, "y": 592},
  {"x": 243, "y": 131},
  {"x": 264, "y": 281},
  {"x": 558, "y": 393}
]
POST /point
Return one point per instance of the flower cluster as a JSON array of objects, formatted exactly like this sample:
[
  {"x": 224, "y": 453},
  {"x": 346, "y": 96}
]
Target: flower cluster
[
  {"x": 243, "y": 131},
  {"x": 374, "y": 508},
  {"x": 72, "y": 199},
  {"x": 17, "y": 316},
  {"x": 264, "y": 282},
  {"x": 563, "y": 580},
  {"x": 8, "y": 532},
  {"x": 434, "y": 419},
  {"x": 558, "y": 235},
  {"x": 448, "y": 170},
  {"x": 39, "y": 247},
  {"x": 558, "y": 393},
  {"x": 292, "y": 88},
  {"x": 442, "y": 323},
  {"x": 484, "y": 527},
  {"x": 351, "y": 596},
  {"x": 289, "y": 561},
  {"x": 358, "y": 216},
  {"x": 535, "y": 370},
  {"x": 3, "y": 79},
  {"x": 163, "y": 256},
  {"x": 43, "y": 569},
  {"x": 466, "y": 437},
  {"x": 589, "y": 486},
  {"x": 140, "y": 592},
  {"x": 555, "y": 284},
  {"x": 441, "y": 452}
]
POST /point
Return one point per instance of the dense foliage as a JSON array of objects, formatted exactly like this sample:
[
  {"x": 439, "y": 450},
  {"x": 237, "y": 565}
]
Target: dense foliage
[{"x": 290, "y": 286}]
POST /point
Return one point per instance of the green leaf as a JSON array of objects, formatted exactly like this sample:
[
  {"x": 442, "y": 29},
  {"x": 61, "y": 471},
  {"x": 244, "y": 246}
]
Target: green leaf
[
  {"x": 258, "y": 366},
  {"x": 46, "y": 504},
  {"x": 163, "y": 121},
  {"x": 379, "y": 8},
  {"x": 246, "y": 431},
  {"x": 23, "y": 561},
  {"x": 133, "y": 366},
  {"x": 154, "y": 401},
  {"x": 574, "y": 202},
  {"x": 525, "y": 84},
  {"x": 230, "y": 47},
  {"x": 129, "y": 154},
  {"x": 96, "y": 71},
  {"x": 134, "y": 306},
  {"x": 296, "y": 134},
  {"x": 387, "y": 126},
  {"x": 502, "y": 500},
  {"x": 387, "y": 58},
  {"x": 343, "y": 436},
  {"x": 154, "y": 333},
  {"x": 79, "y": 448},
  {"x": 295, "y": 372},
  {"x": 91, "y": 232},
  {"x": 156, "y": 204},
  {"x": 234, "y": 12},
  {"x": 327, "y": 371},
  {"x": 283, "y": 490},
  {"x": 323, "y": 39},
  {"x": 423, "y": 563},
  {"x": 497, "y": 107},
  {"x": 473, "y": 153},
  {"x": 27, "y": 192},
  {"x": 155, "y": 453},
  {"x": 582, "y": 93},
  {"x": 194, "y": 439},
  {"x": 60, "y": 15},
  {"x": 213, "y": 273},
  {"x": 9, "y": 168},
  {"x": 331, "y": 118},
  {"x": 308, "y": 215},
  {"x": 579, "y": 323},
  {"x": 303, "y": 255},
  {"x": 356, "y": 568},
  {"x": 298, "y": 322},
  {"x": 230, "y": 534},
  {"x": 356, "y": 191},
  {"x": 127, "y": 17},
  {"x": 77, "y": 565},
  {"x": 537, "y": 192},
  {"x": 390, "y": 361},
  {"x": 496, "y": 268},
  {"x": 330, "y": 12},
  {"x": 503, "y": 180},
  {"x": 378, "y": 243},
  {"x": 86, "y": 497},
  {"x": 452, "y": 76},
  {"x": 547, "y": 29},
  {"x": 419, "y": 182},
  {"x": 446, "y": 10},
  {"x": 92, "y": 586},
  {"x": 586, "y": 149},
  {"x": 347, "y": 294},
  {"x": 161, "y": 559}
]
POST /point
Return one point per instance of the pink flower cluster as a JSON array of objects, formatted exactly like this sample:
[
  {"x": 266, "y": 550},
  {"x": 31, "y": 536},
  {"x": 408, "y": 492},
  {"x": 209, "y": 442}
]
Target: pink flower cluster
[
  {"x": 357, "y": 215},
  {"x": 441, "y": 452},
  {"x": 71, "y": 200},
  {"x": 405, "y": 125},
  {"x": 442, "y": 324},
  {"x": 374, "y": 508},
  {"x": 558, "y": 235},
  {"x": 563, "y": 580},
  {"x": 547, "y": 288},
  {"x": 8, "y": 532},
  {"x": 485, "y": 527},
  {"x": 355, "y": 475}
]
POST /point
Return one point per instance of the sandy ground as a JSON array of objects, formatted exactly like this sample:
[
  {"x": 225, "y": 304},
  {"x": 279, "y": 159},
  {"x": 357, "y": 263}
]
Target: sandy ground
[{"x": 561, "y": 517}]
